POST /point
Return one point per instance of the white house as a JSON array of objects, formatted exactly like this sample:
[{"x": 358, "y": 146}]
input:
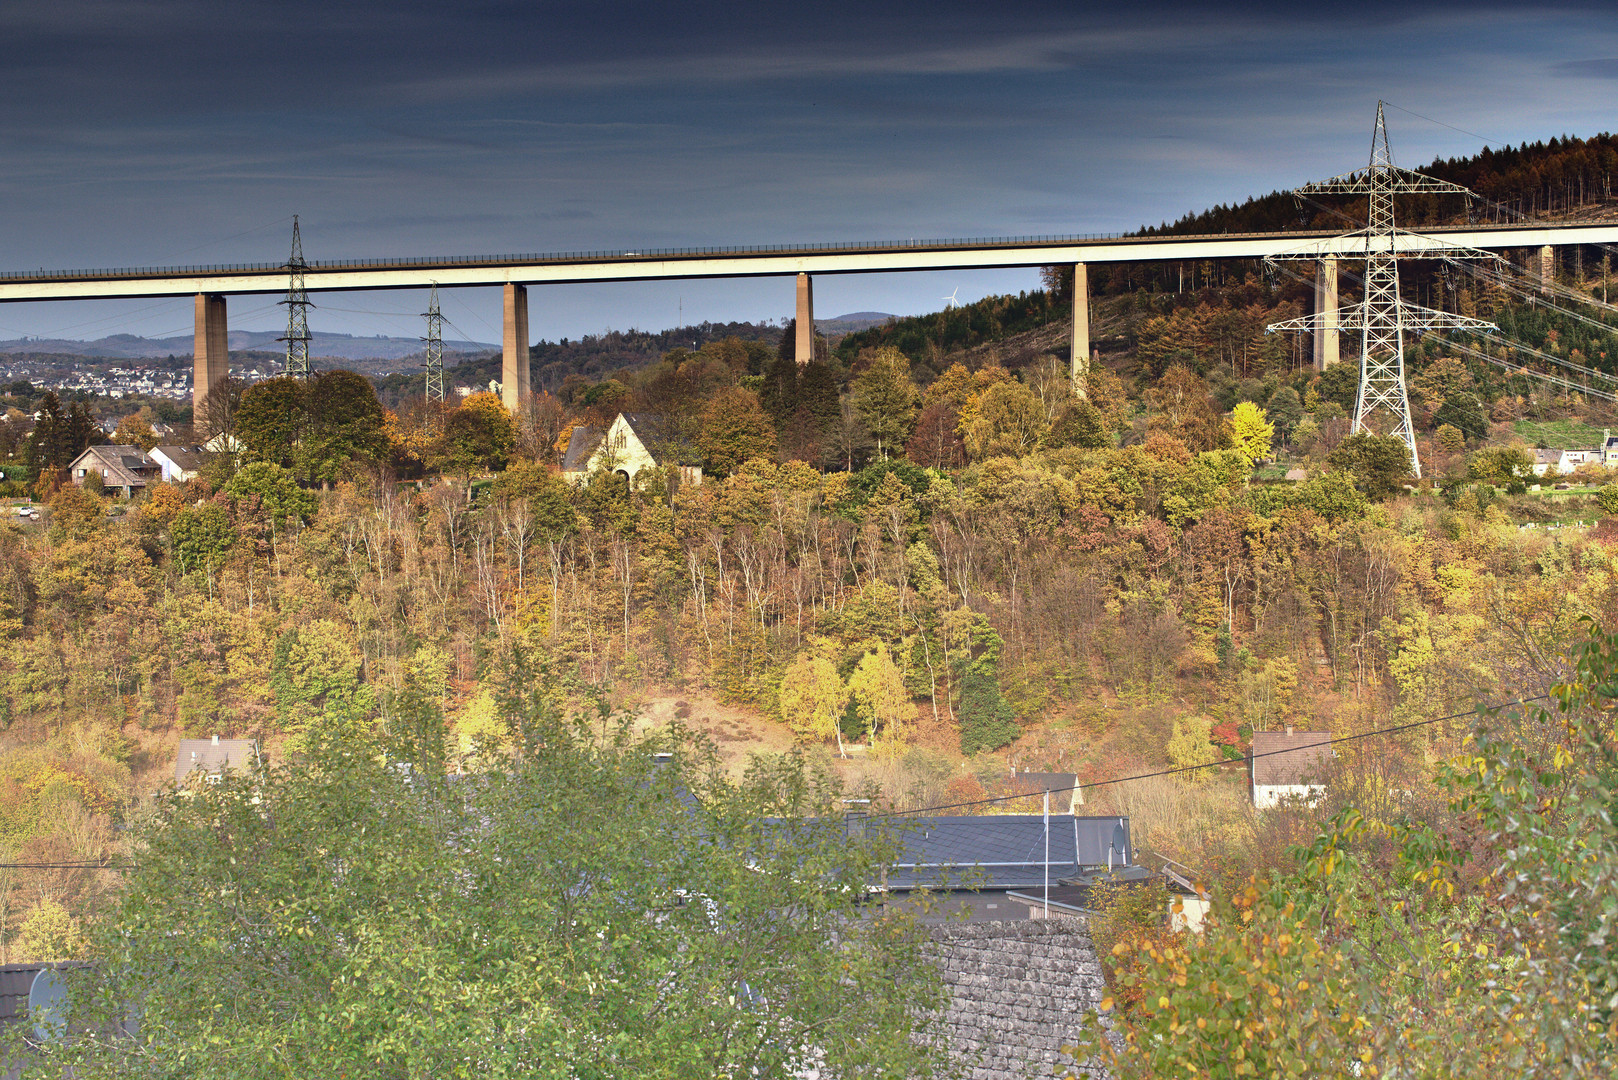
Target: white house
[
  {"x": 1288, "y": 765},
  {"x": 633, "y": 442},
  {"x": 179, "y": 463}
]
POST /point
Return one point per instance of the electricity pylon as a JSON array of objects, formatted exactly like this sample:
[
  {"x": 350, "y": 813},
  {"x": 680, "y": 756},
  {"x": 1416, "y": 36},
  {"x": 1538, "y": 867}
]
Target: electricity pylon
[
  {"x": 297, "y": 304},
  {"x": 434, "y": 342},
  {"x": 1382, "y": 316}
]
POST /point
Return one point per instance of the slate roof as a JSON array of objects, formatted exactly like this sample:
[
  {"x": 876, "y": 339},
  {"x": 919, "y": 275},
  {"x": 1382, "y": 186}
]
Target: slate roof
[
  {"x": 212, "y": 756},
  {"x": 1295, "y": 757},
  {"x": 657, "y": 435},
  {"x": 1018, "y": 993},
  {"x": 125, "y": 466},
  {"x": 184, "y": 458},
  {"x": 580, "y": 445},
  {"x": 1002, "y": 851}
]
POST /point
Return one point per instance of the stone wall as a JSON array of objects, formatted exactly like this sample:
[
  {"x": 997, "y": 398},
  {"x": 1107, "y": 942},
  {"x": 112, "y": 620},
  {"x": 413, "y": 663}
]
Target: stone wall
[{"x": 1018, "y": 993}]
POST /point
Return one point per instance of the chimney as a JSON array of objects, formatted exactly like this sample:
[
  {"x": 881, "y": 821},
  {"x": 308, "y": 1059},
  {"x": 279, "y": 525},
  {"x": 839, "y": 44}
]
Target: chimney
[
  {"x": 216, "y": 740},
  {"x": 854, "y": 817},
  {"x": 1289, "y": 730}
]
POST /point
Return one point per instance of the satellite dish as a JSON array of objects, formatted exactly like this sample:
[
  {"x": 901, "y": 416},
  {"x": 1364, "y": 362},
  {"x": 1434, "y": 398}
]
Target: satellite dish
[
  {"x": 47, "y": 1005},
  {"x": 1120, "y": 841}
]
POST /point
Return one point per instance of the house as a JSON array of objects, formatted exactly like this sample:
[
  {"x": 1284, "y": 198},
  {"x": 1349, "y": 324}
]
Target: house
[
  {"x": 967, "y": 867},
  {"x": 213, "y": 758},
  {"x": 1549, "y": 462},
  {"x": 634, "y": 441},
  {"x": 1076, "y": 896},
  {"x": 1287, "y": 765},
  {"x": 180, "y": 463},
  {"x": 123, "y": 469}
]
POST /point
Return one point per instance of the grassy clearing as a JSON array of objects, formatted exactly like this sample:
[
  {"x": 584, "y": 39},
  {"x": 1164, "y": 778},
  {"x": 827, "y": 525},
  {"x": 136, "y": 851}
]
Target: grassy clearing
[{"x": 1558, "y": 434}]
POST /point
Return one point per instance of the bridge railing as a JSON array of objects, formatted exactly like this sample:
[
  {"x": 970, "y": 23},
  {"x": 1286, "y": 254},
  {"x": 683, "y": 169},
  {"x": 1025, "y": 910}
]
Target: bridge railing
[{"x": 620, "y": 254}]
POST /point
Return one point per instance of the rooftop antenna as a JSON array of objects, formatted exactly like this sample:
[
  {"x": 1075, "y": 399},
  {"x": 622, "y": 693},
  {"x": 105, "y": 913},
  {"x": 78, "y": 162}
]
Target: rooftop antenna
[
  {"x": 1383, "y": 316},
  {"x": 297, "y": 303},
  {"x": 434, "y": 342},
  {"x": 949, "y": 301}
]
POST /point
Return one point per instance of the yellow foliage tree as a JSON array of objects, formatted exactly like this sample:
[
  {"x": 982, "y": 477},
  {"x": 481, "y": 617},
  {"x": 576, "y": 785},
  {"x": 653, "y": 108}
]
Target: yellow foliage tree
[
  {"x": 1191, "y": 743},
  {"x": 1250, "y": 432},
  {"x": 812, "y": 698},
  {"x": 880, "y": 697},
  {"x": 50, "y": 934}
]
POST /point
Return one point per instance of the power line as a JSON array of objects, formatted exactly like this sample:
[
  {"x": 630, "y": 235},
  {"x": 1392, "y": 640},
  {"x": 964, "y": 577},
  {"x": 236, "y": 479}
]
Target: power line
[
  {"x": 1483, "y": 139},
  {"x": 1214, "y": 764}
]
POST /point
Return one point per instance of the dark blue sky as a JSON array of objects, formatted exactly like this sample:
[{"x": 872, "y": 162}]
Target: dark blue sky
[{"x": 177, "y": 131}]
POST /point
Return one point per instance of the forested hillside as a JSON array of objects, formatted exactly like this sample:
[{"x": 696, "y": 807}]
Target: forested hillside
[{"x": 919, "y": 557}]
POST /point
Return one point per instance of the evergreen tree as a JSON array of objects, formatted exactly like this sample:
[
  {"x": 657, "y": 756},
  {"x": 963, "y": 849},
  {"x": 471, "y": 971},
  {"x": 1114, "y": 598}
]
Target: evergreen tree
[
  {"x": 818, "y": 393},
  {"x": 779, "y": 394},
  {"x": 987, "y": 719}
]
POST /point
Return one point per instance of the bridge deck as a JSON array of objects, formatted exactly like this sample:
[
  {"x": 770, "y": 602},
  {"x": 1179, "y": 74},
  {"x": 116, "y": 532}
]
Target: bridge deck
[{"x": 760, "y": 261}]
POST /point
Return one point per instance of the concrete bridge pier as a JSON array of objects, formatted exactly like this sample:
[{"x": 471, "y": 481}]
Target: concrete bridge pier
[
  {"x": 1547, "y": 269},
  {"x": 1080, "y": 365},
  {"x": 804, "y": 343},
  {"x": 210, "y": 354},
  {"x": 514, "y": 362},
  {"x": 1327, "y": 342}
]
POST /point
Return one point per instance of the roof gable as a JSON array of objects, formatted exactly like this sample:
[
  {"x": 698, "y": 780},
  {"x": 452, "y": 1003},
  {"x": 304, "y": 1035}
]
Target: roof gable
[
  {"x": 212, "y": 756},
  {"x": 581, "y": 446},
  {"x": 1288, "y": 758}
]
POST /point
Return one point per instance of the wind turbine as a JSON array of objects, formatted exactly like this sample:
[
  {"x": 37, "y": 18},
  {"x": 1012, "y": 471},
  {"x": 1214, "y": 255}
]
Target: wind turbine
[{"x": 949, "y": 301}]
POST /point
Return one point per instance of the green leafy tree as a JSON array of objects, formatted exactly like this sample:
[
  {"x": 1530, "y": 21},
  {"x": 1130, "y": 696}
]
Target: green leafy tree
[
  {"x": 1080, "y": 424},
  {"x": 1464, "y": 412},
  {"x": 1285, "y": 411},
  {"x": 346, "y": 426},
  {"x": 1502, "y": 465},
  {"x": 478, "y": 435},
  {"x": 270, "y": 419},
  {"x": 1340, "y": 385},
  {"x": 273, "y": 492},
  {"x": 886, "y": 399},
  {"x": 987, "y": 720},
  {"x": 50, "y": 933},
  {"x": 1607, "y": 499},
  {"x": 1380, "y": 463},
  {"x": 576, "y": 912},
  {"x": 735, "y": 430},
  {"x": 203, "y": 537}
]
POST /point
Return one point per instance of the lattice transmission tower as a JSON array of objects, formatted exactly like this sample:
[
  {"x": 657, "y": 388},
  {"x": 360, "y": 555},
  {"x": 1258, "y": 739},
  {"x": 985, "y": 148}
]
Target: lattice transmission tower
[
  {"x": 297, "y": 305},
  {"x": 434, "y": 342},
  {"x": 1383, "y": 316}
]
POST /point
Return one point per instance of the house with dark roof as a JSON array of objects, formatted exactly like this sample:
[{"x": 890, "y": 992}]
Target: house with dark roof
[
  {"x": 180, "y": 463},
  {"x": 212, "y": 758},
  {"x": 634, "y": 441},
  {"x": 123, "y": 469},
  {"x": 1288, "y": 765},
  {"x": 965, "y": 868}
]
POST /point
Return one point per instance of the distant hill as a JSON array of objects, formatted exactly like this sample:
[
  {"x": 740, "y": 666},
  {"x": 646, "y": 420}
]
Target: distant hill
[
  {"x": 852, "y": 323},
  {"x": 132, "y": 347}
]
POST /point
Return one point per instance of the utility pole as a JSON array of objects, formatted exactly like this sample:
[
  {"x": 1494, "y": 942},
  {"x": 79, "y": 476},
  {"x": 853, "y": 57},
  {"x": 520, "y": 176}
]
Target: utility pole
[
  {"x": 1382, "y": 316},
  {"x": 297, "y": 304},
  {"x": 434, "y": 342}
]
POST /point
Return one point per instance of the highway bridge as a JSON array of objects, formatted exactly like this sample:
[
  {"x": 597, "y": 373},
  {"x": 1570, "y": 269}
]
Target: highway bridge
[{"x": 212, "y": 285}]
